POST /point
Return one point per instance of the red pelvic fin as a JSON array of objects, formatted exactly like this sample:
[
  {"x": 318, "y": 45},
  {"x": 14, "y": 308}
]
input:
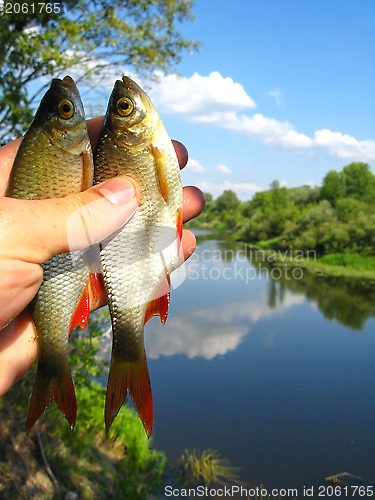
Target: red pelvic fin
[
  {"x": 158, "y": 307},
  {"x": 179, "y": 225},
  {"x": 46, "y": 389},
  {"x": 96, "y": 285},
  {"x": 82, "y": 313},
  {"x": 132, "y": 377}
]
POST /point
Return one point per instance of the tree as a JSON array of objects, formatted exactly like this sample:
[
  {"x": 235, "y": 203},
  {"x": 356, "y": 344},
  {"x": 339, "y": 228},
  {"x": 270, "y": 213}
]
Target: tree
[
  {"x": 228, "y": 201},
  {"x": 96, "y": 35},
  {"x": 359, "y": 181},
  {"x": 279, "y": 195},
  {"x": 333, "y": 187}
]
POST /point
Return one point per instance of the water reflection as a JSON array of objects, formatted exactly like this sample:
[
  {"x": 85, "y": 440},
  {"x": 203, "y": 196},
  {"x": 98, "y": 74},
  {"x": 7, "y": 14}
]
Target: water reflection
[
  {"x": 230, "y": 301},
  {"x": 251, "y": 367},
  {"x": 349, "y": 301},
  {"x": 212, "y": 331}
]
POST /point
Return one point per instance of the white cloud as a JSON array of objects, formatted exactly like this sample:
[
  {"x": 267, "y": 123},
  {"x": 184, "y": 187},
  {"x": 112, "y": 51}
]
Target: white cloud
[
  {"x": 344, "y": 146},
  {"x": 243, "y": 189},
  {"x": 278, "y": 96},
  {"x": 212, "y": 331},
  {"x": 223, "y": 169},
  {"x": 277, "y": 134},
  {"x": 220, "y": 101},
  {"x": 195, "y": 166},
  {"x": 199, "y": 95},
  {"x": 311, "y": 184}
]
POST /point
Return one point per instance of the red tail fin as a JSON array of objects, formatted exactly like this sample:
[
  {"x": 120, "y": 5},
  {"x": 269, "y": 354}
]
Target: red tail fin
[
  {"x": 132, "y": 377},
  {"x": 46, "y": 389}
]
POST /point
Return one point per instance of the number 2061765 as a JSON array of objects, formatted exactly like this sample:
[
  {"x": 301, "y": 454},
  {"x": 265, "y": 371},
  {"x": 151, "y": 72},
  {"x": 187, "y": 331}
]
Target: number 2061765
[
  {"x": 346, "y": 491},
  {"x": 32, "y": 8}
]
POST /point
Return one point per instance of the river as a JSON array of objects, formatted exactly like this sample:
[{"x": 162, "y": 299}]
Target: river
[{"x": 275, "y": 372}]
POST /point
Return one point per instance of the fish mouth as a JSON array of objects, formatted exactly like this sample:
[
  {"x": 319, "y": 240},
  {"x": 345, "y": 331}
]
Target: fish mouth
[
  {"x": 69, "y": 80},
  {"x": 134, "y": 87}
]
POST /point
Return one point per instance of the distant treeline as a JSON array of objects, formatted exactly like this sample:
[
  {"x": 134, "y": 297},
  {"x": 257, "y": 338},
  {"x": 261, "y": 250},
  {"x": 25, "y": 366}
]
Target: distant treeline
[{"x": 338, "y": 217}]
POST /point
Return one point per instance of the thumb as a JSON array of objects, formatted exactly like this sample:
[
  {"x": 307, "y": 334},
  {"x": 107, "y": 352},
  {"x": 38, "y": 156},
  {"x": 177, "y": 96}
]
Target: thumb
[{"x": 36, "y": 230}]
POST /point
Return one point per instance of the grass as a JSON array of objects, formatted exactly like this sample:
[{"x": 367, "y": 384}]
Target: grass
[
  {"x": 205, "y": 468},
  {"x": 352, "y": 260},
  {"x": 347, "y": 265},
  {"x": 271, "y": 244},
  {"x": 341, "y": 265}
]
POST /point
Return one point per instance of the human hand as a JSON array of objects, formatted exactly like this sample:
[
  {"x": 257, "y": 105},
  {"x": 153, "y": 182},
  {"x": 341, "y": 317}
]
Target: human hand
[{"x": 32, "y": 231}]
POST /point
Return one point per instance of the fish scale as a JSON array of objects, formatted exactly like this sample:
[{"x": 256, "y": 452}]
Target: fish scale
[
  {"x": 137, "y": 262},
  {"x": 54, "y": 160}
]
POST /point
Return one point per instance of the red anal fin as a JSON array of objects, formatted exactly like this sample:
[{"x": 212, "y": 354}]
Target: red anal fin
[
  {"x": 161, "y": 174},
  {"x": 132, "y": 377},
  {"x": 158, "y": 307},
  {"x": 82, "y": 312},
  {"x": 47, "y": 389}
]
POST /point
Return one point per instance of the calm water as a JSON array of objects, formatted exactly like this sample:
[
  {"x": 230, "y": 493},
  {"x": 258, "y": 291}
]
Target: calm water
[{"x": 276, "y": 374}]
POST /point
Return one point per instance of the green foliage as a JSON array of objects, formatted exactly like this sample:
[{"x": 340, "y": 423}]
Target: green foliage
[
  {"x": 352, "y": 260},
  {"x": 205, "y": 468},
  {"x": 339, "y": 217},
  {"x": 359, "y": 181},
  {"x": 348, "y": 301},
  {"x": 227, "y": 201},
  {"x": 86, "y": 460},
  {"x": 97, "y": 35},
  {"x": 356, "y": 181},
  {"x": 96, "y": 466},
  {"x": 271, "y": 244},
  {"x": 333, "y": 187}
]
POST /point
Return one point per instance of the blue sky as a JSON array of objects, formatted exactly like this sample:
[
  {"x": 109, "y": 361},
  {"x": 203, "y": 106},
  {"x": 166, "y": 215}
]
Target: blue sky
[{"x": 279, "y": 90}]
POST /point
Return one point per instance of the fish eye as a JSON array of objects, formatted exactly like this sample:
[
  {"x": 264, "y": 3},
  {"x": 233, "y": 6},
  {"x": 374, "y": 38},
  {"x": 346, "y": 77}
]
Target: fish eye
[
  {"x": 66, "y": 109},
  {"x": 124, "y": 106}
]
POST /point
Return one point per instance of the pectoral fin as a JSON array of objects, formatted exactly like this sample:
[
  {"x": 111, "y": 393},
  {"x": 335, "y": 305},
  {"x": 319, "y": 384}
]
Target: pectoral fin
[
  {"x": 161, "y": 172},
  {"x": 87, "y": 170}
]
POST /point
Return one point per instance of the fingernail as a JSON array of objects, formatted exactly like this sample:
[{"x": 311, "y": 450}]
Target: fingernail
[{"x": 118, "y": 191}]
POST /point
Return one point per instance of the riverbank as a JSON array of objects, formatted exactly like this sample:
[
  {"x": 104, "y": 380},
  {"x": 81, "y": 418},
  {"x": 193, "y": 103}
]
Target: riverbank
[
  {"x": 341, "y": 265},
  {"x": 346, "y": 265}
]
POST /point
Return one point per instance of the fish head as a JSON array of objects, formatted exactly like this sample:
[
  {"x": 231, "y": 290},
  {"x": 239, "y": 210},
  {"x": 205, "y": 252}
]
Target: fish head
[
  {"x": 61, "y": 116},
  {"x": 131, "y": 116}
]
